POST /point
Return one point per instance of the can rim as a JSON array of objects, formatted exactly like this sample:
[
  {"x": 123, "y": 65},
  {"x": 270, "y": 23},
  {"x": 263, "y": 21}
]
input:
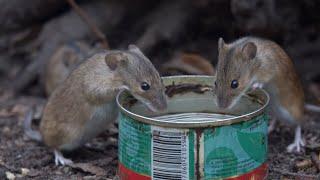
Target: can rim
[{"x": 222, "y": 122}]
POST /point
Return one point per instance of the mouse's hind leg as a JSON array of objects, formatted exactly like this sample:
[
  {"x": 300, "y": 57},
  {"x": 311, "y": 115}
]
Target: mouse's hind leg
[
  {"x": 298, "y": 142},
  {"x": 60, "y": 159}
]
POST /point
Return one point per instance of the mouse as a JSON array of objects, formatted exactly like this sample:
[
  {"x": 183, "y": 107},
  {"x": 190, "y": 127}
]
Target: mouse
[
  {"x": 63, "y": 61},
  {"x": 251, "y": 63},
  {"x": 84, "y": 105}
]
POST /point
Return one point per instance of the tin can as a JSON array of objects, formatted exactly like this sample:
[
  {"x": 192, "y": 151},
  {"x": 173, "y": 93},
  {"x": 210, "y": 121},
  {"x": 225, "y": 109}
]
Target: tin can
[{"x": 193, "y": 139}]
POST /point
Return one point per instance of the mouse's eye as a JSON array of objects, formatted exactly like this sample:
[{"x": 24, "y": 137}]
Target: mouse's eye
[
  {"x": 215, "y": 83},
  {"x": 145, "y": 86},
  {"x": 234, "y": 84}
]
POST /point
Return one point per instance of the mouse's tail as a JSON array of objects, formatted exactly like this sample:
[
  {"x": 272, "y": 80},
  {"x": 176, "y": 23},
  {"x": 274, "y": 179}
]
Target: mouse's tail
[
  {"x": 311, "y": 107},
  {"x": 32, "y": 134}
]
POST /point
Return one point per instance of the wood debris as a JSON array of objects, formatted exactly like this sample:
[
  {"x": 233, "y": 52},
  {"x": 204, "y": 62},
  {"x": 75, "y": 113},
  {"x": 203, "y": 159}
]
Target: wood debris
[{"x": 188, "y": 63}]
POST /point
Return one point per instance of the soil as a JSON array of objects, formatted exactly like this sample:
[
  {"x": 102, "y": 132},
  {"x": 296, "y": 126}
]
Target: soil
[{"x": 17, "y": 152}]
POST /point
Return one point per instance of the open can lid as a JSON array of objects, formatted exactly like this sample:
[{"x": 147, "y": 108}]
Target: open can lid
[{"x": 260, "y": 95}]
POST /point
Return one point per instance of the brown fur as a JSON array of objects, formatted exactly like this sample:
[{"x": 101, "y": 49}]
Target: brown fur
[
  {"x": 62, "y": 62},
  {"x": 271, "y": 66},
  {"x": 84, "y": 104}
]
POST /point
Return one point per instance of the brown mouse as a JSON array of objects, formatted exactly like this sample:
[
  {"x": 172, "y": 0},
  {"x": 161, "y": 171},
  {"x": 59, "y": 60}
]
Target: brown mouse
[
  {"x": 252, "y": 62},
  {"x": 84, "y": 104},
  {"x": 65, "y": 59}
]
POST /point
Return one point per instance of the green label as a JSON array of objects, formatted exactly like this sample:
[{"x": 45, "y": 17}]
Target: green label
[
  {"x": 235, "y": 149},
  {"x": 191, "y": 155},
  {"x": 225, "y": 151},
  {"x": 135, "y": 145}
]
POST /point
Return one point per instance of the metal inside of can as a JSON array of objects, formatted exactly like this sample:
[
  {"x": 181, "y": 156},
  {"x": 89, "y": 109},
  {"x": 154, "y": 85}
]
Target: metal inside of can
[{"x": 194, "y": 109}]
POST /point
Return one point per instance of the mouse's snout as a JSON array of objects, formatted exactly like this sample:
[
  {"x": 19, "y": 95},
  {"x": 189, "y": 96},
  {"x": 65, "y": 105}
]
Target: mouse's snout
[
  {"x": 223, "y": 102},
  {"x": 159, "y": 103}
]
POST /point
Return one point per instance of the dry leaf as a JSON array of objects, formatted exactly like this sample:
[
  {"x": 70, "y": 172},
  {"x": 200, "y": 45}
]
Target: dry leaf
[
  {"x": 10, "y": 175},
  {"x": 303, "y": 164},
  {"x": 6, "y": 113},
  {"x": 87, "y": 167},
  {"x": 24, "y": 171}
]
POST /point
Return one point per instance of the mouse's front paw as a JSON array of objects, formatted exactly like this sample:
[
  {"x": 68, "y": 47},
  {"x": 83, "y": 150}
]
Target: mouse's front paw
[{"x": 257, "y": 86}]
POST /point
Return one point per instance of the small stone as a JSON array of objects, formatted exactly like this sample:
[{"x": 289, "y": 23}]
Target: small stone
[
  {"x": 24, "y": 171},
  {"x": 10, "y": 176},
  {"x": 112, "y": 140},
  {"x": 89, "y": 177},
  {"x": 6, "y": 131},
  {"x": 66, "y": 170}
]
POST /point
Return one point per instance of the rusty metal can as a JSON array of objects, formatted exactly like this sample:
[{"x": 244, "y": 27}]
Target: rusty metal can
[{"x": 193, "y": 139}]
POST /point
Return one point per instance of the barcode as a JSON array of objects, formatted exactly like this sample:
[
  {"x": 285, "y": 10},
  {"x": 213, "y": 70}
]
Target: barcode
[{"x": 169, "y": 155}]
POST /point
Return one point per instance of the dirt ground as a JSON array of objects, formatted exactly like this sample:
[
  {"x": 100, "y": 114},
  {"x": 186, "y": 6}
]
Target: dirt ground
[{"x": 31, "y": 160}]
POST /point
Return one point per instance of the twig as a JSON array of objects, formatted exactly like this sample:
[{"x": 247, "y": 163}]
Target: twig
[
  {"x": 315, "y": 160},
  {"x": 297, "y": 175},
  {"x": 91, "y": 24}
]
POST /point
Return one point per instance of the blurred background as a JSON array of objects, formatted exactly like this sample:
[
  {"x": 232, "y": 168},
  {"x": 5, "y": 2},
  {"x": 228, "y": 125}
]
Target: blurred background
[
  {"x": 41, "y": 42},
  {"x": 32, "y": 31}
]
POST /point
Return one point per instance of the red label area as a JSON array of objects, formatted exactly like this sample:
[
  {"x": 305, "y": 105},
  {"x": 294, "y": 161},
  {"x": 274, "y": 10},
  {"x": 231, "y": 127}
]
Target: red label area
[
  {"x": 127, "y": 174},
  {"x": 259, "y": 173}
]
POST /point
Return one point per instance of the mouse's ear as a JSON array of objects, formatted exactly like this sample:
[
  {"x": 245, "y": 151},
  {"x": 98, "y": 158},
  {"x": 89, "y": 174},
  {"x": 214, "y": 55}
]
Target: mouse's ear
[
  {"x": 221, "y": 43},
  {"x": 114, "y": 60},
  {"x": 135, "y": 49},
  {"x": 249, "y": 50}
]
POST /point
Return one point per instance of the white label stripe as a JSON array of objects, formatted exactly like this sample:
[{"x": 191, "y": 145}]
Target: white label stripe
[{"x": 169, "y": 154}]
